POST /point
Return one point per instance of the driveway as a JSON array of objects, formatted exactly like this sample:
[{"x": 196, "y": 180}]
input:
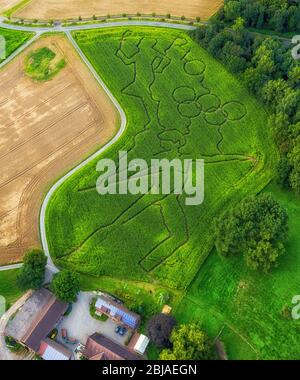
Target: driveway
[
  {"x": 5, "y": 354},
  {"x": 80, "y": 325}
]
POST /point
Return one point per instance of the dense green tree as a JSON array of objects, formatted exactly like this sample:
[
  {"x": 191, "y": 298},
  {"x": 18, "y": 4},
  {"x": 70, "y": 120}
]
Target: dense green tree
[
  {"x": 284, "y": 170},
  {"x": 232, "y": 10},
  {"x": 267, "y": 67},
  {"x": 257, "y": 228},
  {"x": 189, "y": 342},
  {"x": 294, "y": 158},
  {"x": 279, "y": 15},
  {"x": 294, "y": 77},
  {"x": 32, "y": 273},
  {"x": 66, "y": 285},
  {"x": 274, "y": 90},
  {"x": 264, "y": 256}
]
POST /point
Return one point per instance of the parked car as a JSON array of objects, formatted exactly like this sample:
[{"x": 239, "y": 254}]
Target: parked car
[{"x": 120, "y": 330}]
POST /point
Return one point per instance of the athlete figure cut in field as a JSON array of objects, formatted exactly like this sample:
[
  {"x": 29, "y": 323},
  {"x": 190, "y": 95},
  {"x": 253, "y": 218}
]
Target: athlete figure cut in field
[{"x": 190, "y": 103}]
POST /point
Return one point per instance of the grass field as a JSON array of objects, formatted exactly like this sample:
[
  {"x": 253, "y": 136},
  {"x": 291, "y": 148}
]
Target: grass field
[
  {"x": 247, "y": 307},
  {"x": 179, "y": 103},
  {"x": 14, "y": 39},
  {"x": 8, "y": 287}
]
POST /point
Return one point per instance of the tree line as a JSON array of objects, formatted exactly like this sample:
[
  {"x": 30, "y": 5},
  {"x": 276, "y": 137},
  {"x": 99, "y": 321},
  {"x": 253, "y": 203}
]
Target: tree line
[
  {"x": 270, "y": 72},
  {"x": 278, "y": 15}
]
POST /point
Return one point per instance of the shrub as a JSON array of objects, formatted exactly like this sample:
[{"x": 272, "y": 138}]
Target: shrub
[{"x": 13, "y": 345}]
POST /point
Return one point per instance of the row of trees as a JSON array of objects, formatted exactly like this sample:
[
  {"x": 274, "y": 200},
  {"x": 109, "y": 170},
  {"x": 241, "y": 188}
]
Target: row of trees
[
  {"x": 278, "y": 15},
  {"x": 257, "y": 228},
  {"x": 269, "y": 70},
  {"x": 184, "y": 342},
  {"x": 65, "y": 284}
]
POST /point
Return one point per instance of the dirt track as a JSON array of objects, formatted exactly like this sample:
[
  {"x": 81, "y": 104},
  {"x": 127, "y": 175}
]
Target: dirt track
[
  {"x": 45, "y": 129},
  {"x": 63, "y": 9}
]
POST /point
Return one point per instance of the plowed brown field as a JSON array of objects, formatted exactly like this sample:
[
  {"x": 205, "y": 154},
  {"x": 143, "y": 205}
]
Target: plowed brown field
[
  {"x": 45, "y": 129},
  {"x": 63, "y": 9},
  {"x": 6, "y": 4}
]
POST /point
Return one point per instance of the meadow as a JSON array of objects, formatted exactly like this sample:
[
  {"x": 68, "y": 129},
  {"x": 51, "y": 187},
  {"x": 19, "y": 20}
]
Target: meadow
[
  {"x": 8, "y": 287},
  {"x": 14, "y": 39},
  {"x": 250, "y": 311},
  {"x": 180, "y": 103}
]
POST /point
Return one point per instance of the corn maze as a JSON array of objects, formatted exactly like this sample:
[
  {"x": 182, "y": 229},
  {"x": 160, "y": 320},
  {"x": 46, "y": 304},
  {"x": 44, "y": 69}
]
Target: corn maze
[{"x": 180, "y": 103}]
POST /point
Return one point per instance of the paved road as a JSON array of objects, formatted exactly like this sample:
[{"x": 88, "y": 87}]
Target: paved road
[
  {"x": 10, "y": 267},
  {"x": 102, "y": 25}
]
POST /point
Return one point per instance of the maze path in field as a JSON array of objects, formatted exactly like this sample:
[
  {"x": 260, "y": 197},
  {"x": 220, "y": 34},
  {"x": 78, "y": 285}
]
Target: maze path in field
[{"x": 191, "y": 103}]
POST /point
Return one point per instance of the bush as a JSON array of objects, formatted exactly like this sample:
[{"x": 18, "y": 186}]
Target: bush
[{"x": 12, "y": 345}]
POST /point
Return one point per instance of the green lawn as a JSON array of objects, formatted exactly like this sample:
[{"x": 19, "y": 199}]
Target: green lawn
[
  {"x": 245, "y": 306},
  {"x": 8, "y": 287},
  {"x": 14, "y": 39},
  {"x": 179, "y": 102}
]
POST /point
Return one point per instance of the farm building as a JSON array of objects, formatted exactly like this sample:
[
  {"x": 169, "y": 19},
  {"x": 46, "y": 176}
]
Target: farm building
[
  {"x": 139, "y": 343},
  {"x": 36, "y": 319},
  {"x": 98, "y": 347},
  {"x": 117, "y": 312},
  {"x": 51, "y": 350}
]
